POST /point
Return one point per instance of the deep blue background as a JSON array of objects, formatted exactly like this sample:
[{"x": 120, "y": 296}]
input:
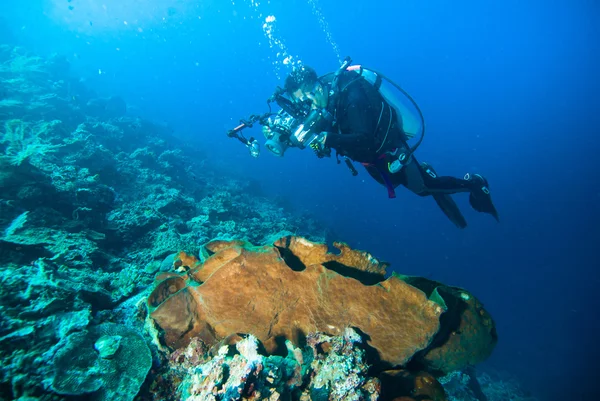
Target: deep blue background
[{"x": 509, "y": 89}]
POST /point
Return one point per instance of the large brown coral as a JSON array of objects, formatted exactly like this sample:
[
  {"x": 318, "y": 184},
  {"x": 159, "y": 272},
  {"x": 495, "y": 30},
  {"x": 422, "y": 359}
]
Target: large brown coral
[
  {"x": 290, "y": 289},
  {"x": 468, "y": 332}
]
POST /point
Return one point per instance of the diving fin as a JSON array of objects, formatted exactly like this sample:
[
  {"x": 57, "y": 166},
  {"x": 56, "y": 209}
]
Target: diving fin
[
  {"x": 480, "y": 198},
  {"x": 450, "y": 209},
  {"x": 445, "y": 201}
]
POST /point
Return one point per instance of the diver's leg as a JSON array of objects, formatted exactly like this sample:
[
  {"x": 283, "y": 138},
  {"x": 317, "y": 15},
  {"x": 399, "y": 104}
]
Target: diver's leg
[
  {"x": 444, "y": 184},
  {"x": 412, "y": 177},
  {"x": 477, "y": 186},
  {"x": 421, "y": 179},
  {"x": 445, "y": 201},
  {"x": 415, "y": 177}
]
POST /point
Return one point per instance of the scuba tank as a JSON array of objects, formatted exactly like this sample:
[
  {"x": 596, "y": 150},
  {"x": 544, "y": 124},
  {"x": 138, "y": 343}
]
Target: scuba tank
[
  {"x": 411, "y": 124},
  {"x": 412, "y": 118},
  {"x": 406, "y": 107}
]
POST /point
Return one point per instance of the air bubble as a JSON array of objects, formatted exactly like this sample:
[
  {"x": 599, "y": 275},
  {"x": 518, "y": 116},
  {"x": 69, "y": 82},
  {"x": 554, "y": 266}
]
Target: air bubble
[{"x": 283, "y": 58}]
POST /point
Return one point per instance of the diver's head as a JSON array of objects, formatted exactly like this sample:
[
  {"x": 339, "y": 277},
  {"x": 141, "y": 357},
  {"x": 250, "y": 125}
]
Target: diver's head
[{"x": 303, "y": 84}]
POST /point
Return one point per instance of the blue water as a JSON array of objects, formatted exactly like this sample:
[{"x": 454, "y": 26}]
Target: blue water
[{"x": 509, "y": 89}]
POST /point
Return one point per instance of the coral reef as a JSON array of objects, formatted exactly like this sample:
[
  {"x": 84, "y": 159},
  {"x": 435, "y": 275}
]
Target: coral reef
[
  {"x": 242, "y": 372},
  {"x": 107, "y": 362},
  {"x": 98, "y": 204},
  {"x": 468, "y": 385},
  {"x": 93, "y": 199}
]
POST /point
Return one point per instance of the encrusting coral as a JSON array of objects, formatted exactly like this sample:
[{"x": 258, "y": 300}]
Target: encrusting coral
[
  {"x": 285, "y": 294},
  {"x": 296, "y": 294},
  {"x": 246, "y": 289}
]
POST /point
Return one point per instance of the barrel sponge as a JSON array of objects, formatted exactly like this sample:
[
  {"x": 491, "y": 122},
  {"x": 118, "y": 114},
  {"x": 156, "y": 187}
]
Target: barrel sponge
[{"x": 83, "y": 367}]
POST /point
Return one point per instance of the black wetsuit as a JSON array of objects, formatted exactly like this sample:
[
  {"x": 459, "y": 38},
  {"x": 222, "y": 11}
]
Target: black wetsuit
[
  {"x": 363, "y": 124},
  {"x": 367, "y": 130}
]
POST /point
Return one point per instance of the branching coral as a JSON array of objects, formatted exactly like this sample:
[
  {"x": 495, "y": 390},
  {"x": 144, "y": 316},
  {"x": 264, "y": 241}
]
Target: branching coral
[{"x": 23, "y": 141}]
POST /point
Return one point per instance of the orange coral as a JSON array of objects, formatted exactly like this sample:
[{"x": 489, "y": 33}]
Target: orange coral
[
  {"x": 296, "y": 287},
  {"x": 246, "y": 289},
  {"x": 185, "y": 260}
]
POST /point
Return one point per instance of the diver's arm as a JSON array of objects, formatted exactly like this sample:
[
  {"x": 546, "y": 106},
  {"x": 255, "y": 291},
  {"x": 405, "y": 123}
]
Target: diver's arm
[
  {"x": 356, "y": 131},
  {"x": 347, "y": 141},
  {"x": 357, "y": 146}
]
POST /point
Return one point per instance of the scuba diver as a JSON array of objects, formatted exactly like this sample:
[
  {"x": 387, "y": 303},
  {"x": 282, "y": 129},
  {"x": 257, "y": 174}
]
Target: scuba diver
[{"x": 348, "y": 111}]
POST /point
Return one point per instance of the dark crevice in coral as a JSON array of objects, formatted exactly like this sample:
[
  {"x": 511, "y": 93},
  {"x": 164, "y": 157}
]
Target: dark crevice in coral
[
  {"x": 299, "y": 340},
  {"x": 98, "y": 300},
  {"x": 474, "y": 384},
  {"x": 367, "y": 278},
  {"x": 449, "y": 322},
  {"x": 291, "y": 260},
  {"x": 224, "y": 377},
  {"x": 208, "y": 252},
  {"x": 372, "y": 356},
  {"x": 300, "y": 337},
  {"x": 392, "y": 385},
  {"x": 22, "y": 254},
  {"x": 260, "y": 348},
  {"x": 280, "y": 349},
  {"x": 6, "y": 390}
]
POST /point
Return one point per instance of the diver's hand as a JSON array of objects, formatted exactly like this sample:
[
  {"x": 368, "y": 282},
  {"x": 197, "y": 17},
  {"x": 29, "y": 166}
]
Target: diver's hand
[
  {"x": 322, "y": 138},
  {"x": 318, "y": 145}
]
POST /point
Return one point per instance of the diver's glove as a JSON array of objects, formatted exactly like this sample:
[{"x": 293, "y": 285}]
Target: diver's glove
[
  {"x": 267, "y": 132},
  {"x": 318, "y": 146}
]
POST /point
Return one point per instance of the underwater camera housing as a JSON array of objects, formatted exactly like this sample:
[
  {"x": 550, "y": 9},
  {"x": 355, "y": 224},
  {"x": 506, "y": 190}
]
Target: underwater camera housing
[
  {"x": 279, "y": 131},
  {"x": 312, "y": 126},
  {"x": 277, "y": 127},
  {"x": 285, "y": 130}
]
